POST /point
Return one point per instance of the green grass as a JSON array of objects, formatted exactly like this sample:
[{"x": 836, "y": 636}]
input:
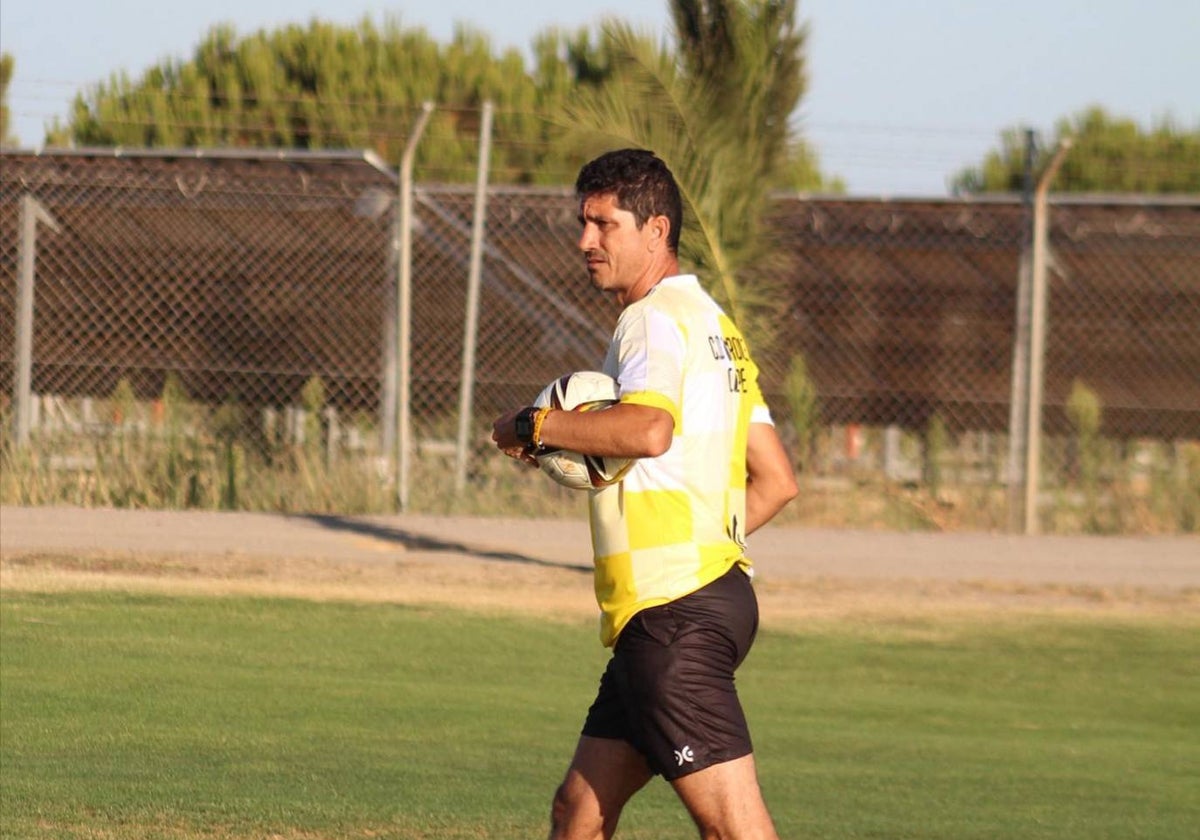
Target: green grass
[{"x": 127, "y": 716}]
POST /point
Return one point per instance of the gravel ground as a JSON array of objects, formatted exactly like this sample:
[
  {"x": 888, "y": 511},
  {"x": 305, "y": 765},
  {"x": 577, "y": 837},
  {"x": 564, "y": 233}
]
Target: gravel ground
[{"x": 544, "y": 565}]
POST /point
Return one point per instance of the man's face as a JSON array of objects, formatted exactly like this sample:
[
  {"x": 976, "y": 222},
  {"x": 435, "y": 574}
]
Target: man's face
[{"x": 619, "y": 255}]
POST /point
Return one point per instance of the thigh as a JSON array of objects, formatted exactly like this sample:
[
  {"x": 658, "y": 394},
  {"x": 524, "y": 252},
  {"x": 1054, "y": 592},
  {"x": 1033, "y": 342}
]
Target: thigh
[
  {"x": 604, "y": 774},
  {"x": 725, "y": 800}
]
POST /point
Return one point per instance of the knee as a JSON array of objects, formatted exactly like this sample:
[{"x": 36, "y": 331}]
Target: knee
[
  {"x": 574, "y": 813},
  {"x": 560, "y": 808}
]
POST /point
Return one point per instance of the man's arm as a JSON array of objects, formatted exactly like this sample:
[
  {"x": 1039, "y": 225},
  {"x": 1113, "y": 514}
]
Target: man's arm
[
  {"x": 625, "y": 430},
  {"x": 770, "y": 480}
]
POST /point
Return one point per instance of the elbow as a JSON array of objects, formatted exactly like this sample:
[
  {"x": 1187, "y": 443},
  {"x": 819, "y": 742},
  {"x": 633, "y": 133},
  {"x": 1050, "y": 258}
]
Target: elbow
[
  {"x": 779, "y": 487},
  {"x": 790, "y": 489},
  {"x": 782, "y": 490},
  {"x": 657, "y": 439},
  {"x": 643, "y": 431}
]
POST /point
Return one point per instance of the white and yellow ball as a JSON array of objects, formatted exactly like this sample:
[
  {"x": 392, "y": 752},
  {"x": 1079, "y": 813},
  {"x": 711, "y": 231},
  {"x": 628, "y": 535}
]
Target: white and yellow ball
[{"x": 586, "y": 390}]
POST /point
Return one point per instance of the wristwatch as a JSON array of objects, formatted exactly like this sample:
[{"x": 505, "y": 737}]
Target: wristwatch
[{"x": 523, "y": 425}]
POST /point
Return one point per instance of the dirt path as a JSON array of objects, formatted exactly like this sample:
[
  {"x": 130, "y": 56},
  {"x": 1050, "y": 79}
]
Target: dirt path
[{"x": 543, "y": 566}]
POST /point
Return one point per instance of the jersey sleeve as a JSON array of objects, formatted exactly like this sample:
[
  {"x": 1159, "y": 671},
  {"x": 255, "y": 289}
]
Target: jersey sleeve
[{"x": 650, "y": 354}]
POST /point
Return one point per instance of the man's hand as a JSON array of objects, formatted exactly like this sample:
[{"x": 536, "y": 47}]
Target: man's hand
[{"x": 504, "y": 434}]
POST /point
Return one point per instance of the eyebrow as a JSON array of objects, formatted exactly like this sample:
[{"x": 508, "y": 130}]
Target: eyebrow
[{"x": 598, "y": 218}]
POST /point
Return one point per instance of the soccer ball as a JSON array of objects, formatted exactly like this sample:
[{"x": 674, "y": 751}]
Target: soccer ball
[{"x": 586, "y": 390}]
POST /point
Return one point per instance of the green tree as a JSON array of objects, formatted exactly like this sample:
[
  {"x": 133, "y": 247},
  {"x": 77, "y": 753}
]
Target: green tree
[
  {"x": 6, "y": 72},
  {"x": 716, "y": 106},
  {"x": 804, "y": 407},
  {"x": 1108, "y": 154},
  {"x": 751, "y": 56},
  {"x": 324, "y": 86}
]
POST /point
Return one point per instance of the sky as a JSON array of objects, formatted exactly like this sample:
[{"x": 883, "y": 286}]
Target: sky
[{"x": 902, "y": 95}]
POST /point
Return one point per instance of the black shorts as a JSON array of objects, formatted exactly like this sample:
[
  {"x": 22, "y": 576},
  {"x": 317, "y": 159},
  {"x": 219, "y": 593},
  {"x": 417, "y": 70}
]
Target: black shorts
[{"x": 668, "y": 689}]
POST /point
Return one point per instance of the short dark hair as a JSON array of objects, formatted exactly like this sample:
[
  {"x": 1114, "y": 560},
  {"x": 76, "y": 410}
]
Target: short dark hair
[{"x": 642, "y": 184}]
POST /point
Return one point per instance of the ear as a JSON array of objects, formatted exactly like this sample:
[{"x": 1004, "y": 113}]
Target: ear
[{"x": 660, "y": 231}]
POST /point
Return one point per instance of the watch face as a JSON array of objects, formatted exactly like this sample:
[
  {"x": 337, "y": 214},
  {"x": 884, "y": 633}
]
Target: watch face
[{"x": 524, "y": 426}]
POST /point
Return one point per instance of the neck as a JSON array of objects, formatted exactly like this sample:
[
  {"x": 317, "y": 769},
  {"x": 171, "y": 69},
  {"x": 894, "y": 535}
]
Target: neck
[{"x": 661, "y": 269}]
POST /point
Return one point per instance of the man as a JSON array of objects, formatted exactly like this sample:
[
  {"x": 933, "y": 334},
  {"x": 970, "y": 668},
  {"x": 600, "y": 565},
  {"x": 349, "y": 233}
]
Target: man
[{"x": 671, "y": 576}]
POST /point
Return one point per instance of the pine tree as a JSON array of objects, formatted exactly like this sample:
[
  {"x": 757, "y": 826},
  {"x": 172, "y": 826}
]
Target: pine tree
[{"x": 1108, "y": 155}]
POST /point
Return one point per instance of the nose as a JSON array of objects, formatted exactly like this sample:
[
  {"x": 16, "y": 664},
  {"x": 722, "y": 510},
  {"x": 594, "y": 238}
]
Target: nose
[{"x": 587, "y": 238}]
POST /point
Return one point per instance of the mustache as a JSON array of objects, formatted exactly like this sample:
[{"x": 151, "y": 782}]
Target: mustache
[{"x": 595, "y": 255}]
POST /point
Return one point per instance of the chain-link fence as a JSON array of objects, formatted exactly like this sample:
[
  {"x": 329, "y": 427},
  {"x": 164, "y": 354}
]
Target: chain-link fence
[{"x": 201, "y": 324}]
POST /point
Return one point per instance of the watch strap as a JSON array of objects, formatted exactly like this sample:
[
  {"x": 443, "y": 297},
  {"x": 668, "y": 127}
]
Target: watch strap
[{"x": 539, "y": 417}]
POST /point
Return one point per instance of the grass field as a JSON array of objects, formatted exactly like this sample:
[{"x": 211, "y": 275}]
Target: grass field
[{"x": 129, "y": 715}]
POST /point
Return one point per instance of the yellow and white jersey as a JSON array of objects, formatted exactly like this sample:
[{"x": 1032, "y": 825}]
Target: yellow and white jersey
[{"x": 676, "y": 522}]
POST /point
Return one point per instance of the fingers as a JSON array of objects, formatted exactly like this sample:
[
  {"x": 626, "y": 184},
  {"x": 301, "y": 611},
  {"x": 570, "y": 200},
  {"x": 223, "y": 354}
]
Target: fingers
[
  {"x": 504, "y": 435},
  {"x": 504, "y": 432}
]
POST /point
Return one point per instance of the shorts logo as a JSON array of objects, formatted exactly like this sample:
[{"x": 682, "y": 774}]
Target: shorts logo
[{"x": 684, "y": 754}]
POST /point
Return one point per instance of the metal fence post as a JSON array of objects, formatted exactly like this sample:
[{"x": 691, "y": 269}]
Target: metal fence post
[
  {"x": 1037, "y": 336},
  {"x": 470, "y": 328},
  {"x": 1018, "y": 436},
  {"x": 32, "y": 212},
  {"x": 404, "y": 313},
  {"x": 389, "y": 378}
]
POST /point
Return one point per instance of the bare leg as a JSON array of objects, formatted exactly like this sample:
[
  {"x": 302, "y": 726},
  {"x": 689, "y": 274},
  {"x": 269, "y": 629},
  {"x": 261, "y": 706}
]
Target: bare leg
[
  {"x": 726, "y": 802},
  {"x": 602, "y": 777}
]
